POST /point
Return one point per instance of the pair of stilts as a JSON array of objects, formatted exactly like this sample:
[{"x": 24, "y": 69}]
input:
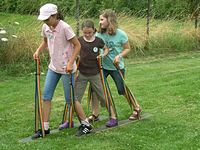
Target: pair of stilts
[
  {"x": 69, "y": 108},
  {"x": 39, "y": 123},
  {"x": 107, "y": 92}
]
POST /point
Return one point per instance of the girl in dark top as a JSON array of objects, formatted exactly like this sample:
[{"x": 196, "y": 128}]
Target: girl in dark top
[{"x": 89, "y": 72}]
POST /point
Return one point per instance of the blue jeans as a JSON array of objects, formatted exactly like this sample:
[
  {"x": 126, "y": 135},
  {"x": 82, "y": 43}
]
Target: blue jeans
[
  {"x": 117, "y": 79},
  {"x": 51, "y": 82}
]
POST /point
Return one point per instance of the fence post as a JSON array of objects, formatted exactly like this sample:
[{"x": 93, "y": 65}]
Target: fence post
[
  {"x": 196, "y": 14},
  {"x": 77, "y": 17},
  {"x": 196, "y": 22},
  {"x": 148, "y": 21}
]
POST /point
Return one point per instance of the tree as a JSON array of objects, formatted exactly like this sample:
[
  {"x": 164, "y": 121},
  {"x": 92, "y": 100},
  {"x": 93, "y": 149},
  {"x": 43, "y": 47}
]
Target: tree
[{"x": 194, "y": 10}]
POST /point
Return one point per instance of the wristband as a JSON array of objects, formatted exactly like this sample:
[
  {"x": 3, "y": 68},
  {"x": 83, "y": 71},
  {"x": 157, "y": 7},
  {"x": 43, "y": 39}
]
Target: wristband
[{"x": 120, "y": 55}]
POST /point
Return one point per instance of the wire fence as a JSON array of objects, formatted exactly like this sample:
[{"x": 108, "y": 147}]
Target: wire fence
[{"x": 146, "y": 31}]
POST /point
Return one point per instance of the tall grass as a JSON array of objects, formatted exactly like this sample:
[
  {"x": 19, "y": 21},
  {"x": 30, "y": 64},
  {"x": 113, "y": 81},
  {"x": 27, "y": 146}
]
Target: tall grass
[
  {"x": 166, "y": 36},
  {"x": 20, "y": 48}
]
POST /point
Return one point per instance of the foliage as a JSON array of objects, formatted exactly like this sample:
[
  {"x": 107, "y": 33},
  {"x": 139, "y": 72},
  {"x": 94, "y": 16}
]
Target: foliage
[
  {"x": 161, "y": 8},
  {"x": 194, "y": 7},
  {"x": 172, "y": 8}
]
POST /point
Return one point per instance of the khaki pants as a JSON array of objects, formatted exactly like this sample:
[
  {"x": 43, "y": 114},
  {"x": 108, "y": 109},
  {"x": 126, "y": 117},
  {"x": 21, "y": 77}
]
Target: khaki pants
[{"x": 96, "y": 86}]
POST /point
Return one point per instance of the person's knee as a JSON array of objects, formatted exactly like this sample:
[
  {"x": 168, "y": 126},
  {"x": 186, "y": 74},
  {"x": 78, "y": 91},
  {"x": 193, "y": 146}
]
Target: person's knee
[
  {"x": 47, "y": 100},
  {"x": 68, "y": 102},
  {"x": 102, "y": 102}
]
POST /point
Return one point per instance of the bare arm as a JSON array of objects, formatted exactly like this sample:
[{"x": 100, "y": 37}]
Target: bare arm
[
  {"x": 125, "y": 51},
  {"x": 106, "y": 50},
  {"x": 77, "y": 47},
  {"x": 42, "y": 46}
]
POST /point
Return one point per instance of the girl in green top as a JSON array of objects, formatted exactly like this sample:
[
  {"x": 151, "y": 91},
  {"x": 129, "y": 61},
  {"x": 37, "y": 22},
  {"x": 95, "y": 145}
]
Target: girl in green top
[{"x": 117, "y": 42}]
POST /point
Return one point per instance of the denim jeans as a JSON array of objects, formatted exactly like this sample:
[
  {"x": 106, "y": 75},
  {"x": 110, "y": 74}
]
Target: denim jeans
[
  {"x": 51, "y": 82},
  {"x": 117, "y": 79}
]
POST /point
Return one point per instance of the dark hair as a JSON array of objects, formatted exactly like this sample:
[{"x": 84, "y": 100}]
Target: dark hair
[
  {"x": 88, "y": 24},
  {"x": 59, "y": 16}
]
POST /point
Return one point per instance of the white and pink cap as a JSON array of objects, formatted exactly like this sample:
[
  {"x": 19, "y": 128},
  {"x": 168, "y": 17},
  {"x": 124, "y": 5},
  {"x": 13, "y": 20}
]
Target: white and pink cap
[{"x": 47, "y": 10}]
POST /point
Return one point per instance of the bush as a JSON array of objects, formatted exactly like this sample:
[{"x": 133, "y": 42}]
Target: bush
[{"x": 161, "y": 8}]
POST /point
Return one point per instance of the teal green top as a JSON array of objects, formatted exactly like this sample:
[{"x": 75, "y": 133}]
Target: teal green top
[{"x": 115, "y": 44}]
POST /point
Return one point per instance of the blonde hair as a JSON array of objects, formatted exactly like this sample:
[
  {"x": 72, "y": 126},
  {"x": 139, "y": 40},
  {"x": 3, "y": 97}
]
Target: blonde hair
[{"x": 110, "y": 15}]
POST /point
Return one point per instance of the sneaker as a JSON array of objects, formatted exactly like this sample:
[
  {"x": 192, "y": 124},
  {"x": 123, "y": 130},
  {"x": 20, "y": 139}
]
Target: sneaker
[
  {"x": 65, "y": 125},
  {"x": 84, "y": 129},
  {"x": 112, "y": 122},
  {"x": 39, "y": 133}
]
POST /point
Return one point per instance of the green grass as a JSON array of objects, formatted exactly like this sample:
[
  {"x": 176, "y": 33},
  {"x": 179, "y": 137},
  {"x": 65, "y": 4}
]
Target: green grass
[{"x": 166, "y": 87}]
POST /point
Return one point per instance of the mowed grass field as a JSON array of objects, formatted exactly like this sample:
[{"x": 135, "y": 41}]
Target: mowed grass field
[{"x": 167, "y": 87}]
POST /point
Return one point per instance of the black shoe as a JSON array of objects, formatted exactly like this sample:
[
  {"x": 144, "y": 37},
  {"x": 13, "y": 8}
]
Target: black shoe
[
  {"x": 84, "y": 129},
  {"x": 38, "y": 134}
]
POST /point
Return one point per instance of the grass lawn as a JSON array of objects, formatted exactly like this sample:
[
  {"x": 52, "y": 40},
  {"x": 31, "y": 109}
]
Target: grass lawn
[{"x": 166, "y": 87}]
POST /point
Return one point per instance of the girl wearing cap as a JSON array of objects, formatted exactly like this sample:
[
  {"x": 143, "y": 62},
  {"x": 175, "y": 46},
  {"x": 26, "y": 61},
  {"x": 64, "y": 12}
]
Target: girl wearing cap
[{"x": 63, "y": 47}]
